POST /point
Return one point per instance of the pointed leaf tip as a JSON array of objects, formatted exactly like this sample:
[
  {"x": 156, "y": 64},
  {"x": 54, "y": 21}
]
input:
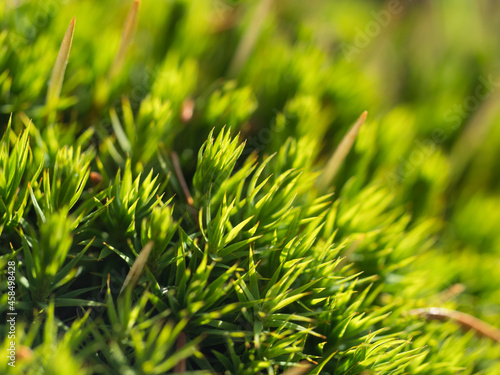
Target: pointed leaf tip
[{"x": 57, "y": 76}]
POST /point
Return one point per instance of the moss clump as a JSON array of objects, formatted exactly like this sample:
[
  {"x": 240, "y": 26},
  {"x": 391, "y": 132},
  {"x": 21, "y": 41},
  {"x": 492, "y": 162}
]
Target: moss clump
[{"x": 182, "y": 190}]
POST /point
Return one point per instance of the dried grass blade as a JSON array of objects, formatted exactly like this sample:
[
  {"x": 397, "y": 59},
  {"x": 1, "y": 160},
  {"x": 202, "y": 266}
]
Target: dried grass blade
[
  {"x": 57, "y": 76},
  {"x": 138, "y": 267},
  {"x": 340, "y": 154},
  {"x": 466, "y": 321}
]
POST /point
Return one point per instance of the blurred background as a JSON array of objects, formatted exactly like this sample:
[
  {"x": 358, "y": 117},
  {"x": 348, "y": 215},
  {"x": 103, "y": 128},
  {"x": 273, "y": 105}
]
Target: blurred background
[{"x": 427, "y": 72}]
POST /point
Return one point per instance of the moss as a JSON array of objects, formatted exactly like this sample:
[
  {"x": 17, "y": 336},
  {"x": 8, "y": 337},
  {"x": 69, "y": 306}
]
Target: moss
[{"x": 169, "y": 202}]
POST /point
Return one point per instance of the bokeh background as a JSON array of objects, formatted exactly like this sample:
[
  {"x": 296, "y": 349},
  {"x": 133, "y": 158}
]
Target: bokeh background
[{"x": 427, "y": 72}]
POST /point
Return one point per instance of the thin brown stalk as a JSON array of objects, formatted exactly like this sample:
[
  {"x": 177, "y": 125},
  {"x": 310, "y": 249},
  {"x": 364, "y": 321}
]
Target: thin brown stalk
[
  {"x": 466, "y": 321},
  {"x": 182, "y": 181},
  {"x": 338, "y": 157},
  {"x": 180, "y": 177}
]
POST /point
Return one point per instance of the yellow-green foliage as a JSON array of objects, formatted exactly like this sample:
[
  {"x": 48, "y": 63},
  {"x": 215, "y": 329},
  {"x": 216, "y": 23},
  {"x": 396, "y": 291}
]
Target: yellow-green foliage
[{"x": 185, "y": 196}]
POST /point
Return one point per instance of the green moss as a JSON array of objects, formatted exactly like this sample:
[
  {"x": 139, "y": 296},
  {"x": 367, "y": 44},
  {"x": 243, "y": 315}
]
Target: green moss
[{"x": 191, "y": 176}]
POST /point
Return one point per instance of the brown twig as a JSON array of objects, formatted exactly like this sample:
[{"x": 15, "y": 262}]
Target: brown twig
[{"x": 466, "y": 321}]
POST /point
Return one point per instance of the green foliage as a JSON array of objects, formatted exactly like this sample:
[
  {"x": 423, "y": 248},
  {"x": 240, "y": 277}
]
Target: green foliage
[
  {"x": 216, "y": 161},
  {"x": 185, "y": 196},
  {"x": 16, "y": 165}
]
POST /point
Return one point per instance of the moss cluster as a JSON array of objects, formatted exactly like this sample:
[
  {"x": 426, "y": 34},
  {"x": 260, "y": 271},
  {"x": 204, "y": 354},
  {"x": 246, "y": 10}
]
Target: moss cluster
[{"x": 182, "y": 188}]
